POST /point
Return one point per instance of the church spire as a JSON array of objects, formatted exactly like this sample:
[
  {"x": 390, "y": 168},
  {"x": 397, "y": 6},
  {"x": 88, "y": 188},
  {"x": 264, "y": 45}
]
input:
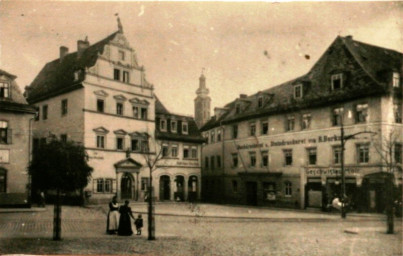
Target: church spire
[{"x": 202, "y": 102}]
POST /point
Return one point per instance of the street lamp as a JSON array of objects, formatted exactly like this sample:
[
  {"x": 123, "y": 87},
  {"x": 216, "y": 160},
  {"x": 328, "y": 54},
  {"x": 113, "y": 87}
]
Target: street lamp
[{"x": 344, "y": 139}]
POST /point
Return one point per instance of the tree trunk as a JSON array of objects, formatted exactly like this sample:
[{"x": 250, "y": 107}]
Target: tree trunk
[
  {"x": 389, "y": 206},
  {"x": 57, "y": 229},
  {"x": 151, "y": 220}
]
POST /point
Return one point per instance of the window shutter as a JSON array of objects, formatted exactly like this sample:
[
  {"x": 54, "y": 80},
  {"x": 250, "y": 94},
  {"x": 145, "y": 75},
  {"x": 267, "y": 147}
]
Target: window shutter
[
  {"x": 9, "y": 136},
  {"x": 113, "y": 185}
]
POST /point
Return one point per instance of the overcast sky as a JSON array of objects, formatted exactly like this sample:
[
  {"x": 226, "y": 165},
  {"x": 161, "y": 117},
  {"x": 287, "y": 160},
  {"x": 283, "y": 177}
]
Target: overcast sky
[{"x": 244, "y": 47}]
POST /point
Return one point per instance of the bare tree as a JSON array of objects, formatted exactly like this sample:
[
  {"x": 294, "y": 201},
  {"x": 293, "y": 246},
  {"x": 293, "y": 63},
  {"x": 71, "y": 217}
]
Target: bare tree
[
  {"x": 390, "y": 154},
  {"x": 151, "y": 157}
]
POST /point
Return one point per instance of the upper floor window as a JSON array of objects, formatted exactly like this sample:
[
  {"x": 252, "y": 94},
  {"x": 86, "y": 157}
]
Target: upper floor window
[
  {"x": 235, "y": 131},
  {"x": 194, "y": 152},
  {"x": 337, "y": 154},
  {"x": 219, "y": 135},
  {"x": 135, "y": 144},
  {"x": 252, "y": 129},
  {"x": 337, "y": 116},
  {"x": 252, "y": 157},
  {"x": 361, "y": 113},
  {"x": 45, "y": 112},
  {"x": 37, "y": 113},
  {"x": 4, "y": 132},
  {"x": 212, "y": 136},
  {"x": 100, "y": 141},
  {"x": 135, "y": 111},
  {"x": 306, "y": 121},
  {"x": 119, "y": 143},
  {"x": 235, "y": 160},
  {"x": 119, "y": 108},
  {"x": 337, "y": 81},
  {"x": 396, "y": 79},
  {"x": 290, "y": 123},
  {"x": 100, "y": 105},
  {"x": 116, "y": 74},
  {"x": 265, "y": 158},
  {"x": 260, "y": 102},
  {"x": 164, "y": 150},
  {"x": 64, "y": 107},
  {"x": 397, "y": 112},
  {"x": 121, "y": 55},
  {"x": 298, "y": 91},
  {"x": 186, "y": 152},
  {"x": 126, "y": 77},
  {"x": 173, "y": 126},
  {"x": 398, "y": 153},
  {"x": 311, "y": 156},
  {"x": 144, "y": 113},
  {"x": 184, "y": 127},
  {"x": 174, "y": 150},
  {"x": 287, "y": 156},
  {"x": 265, "y": 128},
  {"x": 4, "y": 90},
  {"x": 163, "y": 125},
  {"x": 363, "y": 153}
]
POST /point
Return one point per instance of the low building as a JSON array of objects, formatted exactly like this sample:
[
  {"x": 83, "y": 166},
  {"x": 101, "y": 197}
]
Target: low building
[
  {"x": 179, "y": 170},
  {"x": 15, "y": 143},
  {"x": 282, "y": 146}
]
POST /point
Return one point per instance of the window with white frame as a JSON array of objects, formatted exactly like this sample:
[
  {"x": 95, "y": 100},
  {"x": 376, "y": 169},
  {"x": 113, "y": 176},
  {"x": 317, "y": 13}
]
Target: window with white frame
[
  {"x": 4, "y": 89},
  {"x": 361, "y": 113},
  {"x": 163, "y": 125},
  {"x": 144, "y": 183},
  {"x": 194, "y": 152},
  {"x": 396, "y": 79},
  {"x": 287, "y": 157},
  {"x": 290, "y": 123},
  {"x": 219, "y": 135},
  {"x": 135, "y": 110},
  {"x": 337, "y": 114},
  {"x": 119, "y": 108},
  {"x": 102, "y": 185},
  {"x": 116, "y": 74},
  {"x": 298, "y": 91},
  {"x": 312, "y": 156},
  {"x": 252, "y": 158},
  {"x": 337, "y": 155},
  {"x": 185, "y": 127},
  {"x": 306, "y": 121},
  {"x": 164, "y": 150},
  {"x": 336, "y": 81},
  {"x": 100, "y": 141},
  {"x": 252, "y": 129},
  {"x": 363, "y": 153},
  {"x": 287, "y": 188},
  {"x": 174, "y": 128},
  {"x": 144, "y": 113},
  {"x": 120, "y": 143},
  {"x": 174, "y": 150}
]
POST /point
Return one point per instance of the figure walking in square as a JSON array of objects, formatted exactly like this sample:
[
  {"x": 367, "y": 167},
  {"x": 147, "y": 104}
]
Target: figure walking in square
[
  {"x": 139, "y": 224},
  {"x": 112, "y": 223},
  {"x": 125, "y": 224}
]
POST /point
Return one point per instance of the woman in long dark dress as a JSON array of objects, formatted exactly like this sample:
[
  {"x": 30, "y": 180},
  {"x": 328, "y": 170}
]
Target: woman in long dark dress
[
  {"x": 113, "y": 217},
  {"x": 125, "y": 224}
]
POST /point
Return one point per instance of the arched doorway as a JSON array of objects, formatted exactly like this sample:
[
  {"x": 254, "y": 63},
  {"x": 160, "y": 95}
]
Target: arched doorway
[
  {"x": 127, "y": 186},
  {"x": 179, "y": 194},
  {"x": 192, "y": 188},
  {"x": 165, "y": 189}
]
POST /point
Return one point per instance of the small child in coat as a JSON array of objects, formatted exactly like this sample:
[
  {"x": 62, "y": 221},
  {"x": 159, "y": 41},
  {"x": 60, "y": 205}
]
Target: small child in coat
[{"x": 139, "y": 224}]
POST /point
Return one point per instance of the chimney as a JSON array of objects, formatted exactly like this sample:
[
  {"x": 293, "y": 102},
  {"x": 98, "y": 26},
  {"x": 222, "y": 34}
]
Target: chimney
[
  {"x": 63, "y": 52},
  {"x": 82, "y": 45},
  {"x": 349, "y": 37},
  {"x": 243, "y": 96}
]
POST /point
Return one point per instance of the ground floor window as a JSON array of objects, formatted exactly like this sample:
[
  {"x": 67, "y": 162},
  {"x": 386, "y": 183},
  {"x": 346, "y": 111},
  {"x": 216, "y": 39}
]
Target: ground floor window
[
  {"x": 144, "y": 184},
  {"x": 287, "y": 188},
  {"x": 3, "y": 181},
  {"x": 104, "y": 185},
  {"x": 269, "y": 191}
]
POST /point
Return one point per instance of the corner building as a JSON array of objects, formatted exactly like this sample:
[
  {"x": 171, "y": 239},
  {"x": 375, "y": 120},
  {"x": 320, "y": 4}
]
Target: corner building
[{"x": 282, "y": 146}]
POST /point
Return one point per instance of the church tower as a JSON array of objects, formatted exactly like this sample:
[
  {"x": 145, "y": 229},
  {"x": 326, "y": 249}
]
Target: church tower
[{"x": 202, "y": 103}]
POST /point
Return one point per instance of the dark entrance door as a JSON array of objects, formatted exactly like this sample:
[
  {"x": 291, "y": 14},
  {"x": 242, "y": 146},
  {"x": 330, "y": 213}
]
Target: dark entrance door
[
  {"x": 165, "y": 191},
  {"x": 126, "y": 186},
  {"x": 251, "y": 193}
]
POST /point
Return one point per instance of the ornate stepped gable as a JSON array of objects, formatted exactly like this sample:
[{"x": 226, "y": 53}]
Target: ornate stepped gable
[{"x": 364, "y": 67}]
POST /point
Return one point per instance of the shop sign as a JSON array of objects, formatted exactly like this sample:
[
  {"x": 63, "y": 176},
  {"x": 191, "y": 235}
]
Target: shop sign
[
  {"x": 187, "y": 163},
  {"x": 330, "y": 171},
  {"x": 96, "y": 156},
  {"x": 4, "y": 156}
]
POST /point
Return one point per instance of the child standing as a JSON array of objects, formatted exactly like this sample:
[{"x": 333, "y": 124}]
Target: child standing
[{"x": 139, "y": 224}]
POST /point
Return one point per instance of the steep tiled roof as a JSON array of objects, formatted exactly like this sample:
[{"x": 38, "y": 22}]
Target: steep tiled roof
[
  {"x": 58, "y": 76},
  {"x": 367, "y": 61},
  {"x": 16, "y": 102},
  {"x": 193, "y": 134}
]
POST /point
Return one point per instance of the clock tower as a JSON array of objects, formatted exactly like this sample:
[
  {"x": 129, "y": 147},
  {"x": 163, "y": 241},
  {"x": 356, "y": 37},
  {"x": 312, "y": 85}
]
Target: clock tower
[{"x": 202, "y": 103}]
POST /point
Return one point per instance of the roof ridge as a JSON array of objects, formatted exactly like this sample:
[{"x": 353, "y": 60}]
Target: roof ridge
[{"x": 376, "y": 46}]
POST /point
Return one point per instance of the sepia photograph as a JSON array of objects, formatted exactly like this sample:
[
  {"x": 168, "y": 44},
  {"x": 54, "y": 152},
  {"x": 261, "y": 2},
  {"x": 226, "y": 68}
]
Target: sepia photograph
[{"x": 201, "y": 128}]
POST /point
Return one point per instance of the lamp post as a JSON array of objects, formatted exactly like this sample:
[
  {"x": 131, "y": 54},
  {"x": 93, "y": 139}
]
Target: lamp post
[{"x": 344, "y": 138}]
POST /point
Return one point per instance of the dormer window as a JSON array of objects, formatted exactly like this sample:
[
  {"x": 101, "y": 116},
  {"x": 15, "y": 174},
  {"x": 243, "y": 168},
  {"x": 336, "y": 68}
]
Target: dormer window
[
  {"x": 396, "y": 79},
  {"x": 337, "y": 81},
  {"x": 121, "y": 55},
  {"x": 237, "y": 108},
  {"x": 184, "y": 127},
  {"x": 298, "y": 91},
  {"x": 163, "y": 125},
  {"x": 4, "y": 90},
  {"x": 260, "y": 102},
  {"x": 173, "y": 126}
]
